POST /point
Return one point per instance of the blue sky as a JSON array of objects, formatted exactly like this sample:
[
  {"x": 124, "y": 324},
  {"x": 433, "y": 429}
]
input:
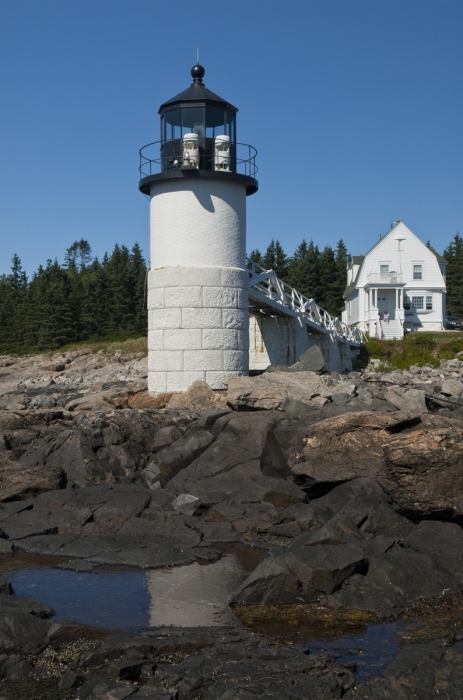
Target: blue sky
[{"x": 355, "y": 107}]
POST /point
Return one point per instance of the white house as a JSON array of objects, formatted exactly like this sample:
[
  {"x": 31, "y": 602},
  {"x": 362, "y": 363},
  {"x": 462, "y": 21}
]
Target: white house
[{"x": 400, "y": 275}]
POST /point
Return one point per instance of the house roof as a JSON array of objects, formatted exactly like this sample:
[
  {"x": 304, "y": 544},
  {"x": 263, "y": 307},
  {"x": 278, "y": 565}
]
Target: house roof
[
  {"x": 439, "y": 257},
  {"x": 356, "y": 260}
]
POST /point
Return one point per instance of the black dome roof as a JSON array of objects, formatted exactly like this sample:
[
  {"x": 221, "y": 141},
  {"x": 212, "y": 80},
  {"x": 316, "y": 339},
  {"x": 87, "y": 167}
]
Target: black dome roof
[{"x": 197, "y": 92}]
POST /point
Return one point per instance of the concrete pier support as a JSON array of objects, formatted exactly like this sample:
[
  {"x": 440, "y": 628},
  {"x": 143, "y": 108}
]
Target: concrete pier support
[{"x": 280, "y": 340}]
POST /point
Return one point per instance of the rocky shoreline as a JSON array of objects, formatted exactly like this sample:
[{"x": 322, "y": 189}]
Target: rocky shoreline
[{"x": 351, "y": 485}]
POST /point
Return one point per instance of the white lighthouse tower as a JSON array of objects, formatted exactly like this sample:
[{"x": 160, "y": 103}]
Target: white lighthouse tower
[{"x": 197, "y": 177}]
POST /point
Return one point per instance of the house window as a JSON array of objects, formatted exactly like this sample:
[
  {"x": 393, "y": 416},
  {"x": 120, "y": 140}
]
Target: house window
[
  {"x": 384, "y": 271},
  {"x": 428, "y": 303},
  {"x": 417, "y": 272},
  {"x": 418, "y": 303},
  {"x": 350, "y": 308},
  {"x": 406, "y": 302}
]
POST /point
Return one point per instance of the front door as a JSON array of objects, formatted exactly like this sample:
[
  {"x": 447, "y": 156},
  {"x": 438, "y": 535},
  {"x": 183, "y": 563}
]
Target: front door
[{"x": 387, "y": 302}]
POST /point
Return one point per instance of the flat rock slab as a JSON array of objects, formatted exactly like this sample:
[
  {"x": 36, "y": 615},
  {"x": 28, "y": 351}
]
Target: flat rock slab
[
  {"x": 270, "y": 391},
  {"x": 17, "y": 482},
  {"x": 109, "y": 550}
]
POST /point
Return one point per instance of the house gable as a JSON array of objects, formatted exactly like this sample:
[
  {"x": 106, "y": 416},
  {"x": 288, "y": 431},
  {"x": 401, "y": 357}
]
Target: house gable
[{"x": 402, "y": 252}]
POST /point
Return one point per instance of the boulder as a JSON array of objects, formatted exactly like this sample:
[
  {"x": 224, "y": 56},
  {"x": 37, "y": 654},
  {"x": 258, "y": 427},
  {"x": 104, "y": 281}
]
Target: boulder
[
  {"x": 244, "y": 462},
  {"x": 412, "y": 400},
  {"x": 90, "y": 402},
  {"x": 301, "y": 575},
  {"x": 311, "y": 360},
  {"x": 346, "y": 447},
  {"x": 269, "y": 391},
  {"x": 322, "y": 568},
  {"x": 423, "y": 471},
  {"x": 271, "y": 583},
  {"x": 170, "y": 461},
  {"x": 198, "y": 397},
  {"x": 145, "y": 399},
  {"x": 441, "y": 542},
  {"x": 18, "y": 483},
  {"x": 395, "y": 580}
]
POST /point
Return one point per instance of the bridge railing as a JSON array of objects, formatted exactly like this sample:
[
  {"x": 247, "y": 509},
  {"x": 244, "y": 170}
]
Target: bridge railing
[{"x": 291, "y": 302}]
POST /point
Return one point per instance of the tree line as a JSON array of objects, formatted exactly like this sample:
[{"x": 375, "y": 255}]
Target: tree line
[
  {"x": 83, "y": 298},
  {"x": 86, "y": 298},
  {"x": 454, "y": 256},
  {"x": 318, "y": 274}
]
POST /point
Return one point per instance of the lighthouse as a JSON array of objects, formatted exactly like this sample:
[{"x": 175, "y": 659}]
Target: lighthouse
[{"x": 197, "y": 177}]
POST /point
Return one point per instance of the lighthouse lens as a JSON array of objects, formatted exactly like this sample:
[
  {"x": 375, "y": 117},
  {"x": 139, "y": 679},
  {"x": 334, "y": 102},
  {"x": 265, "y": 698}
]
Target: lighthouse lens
[{"x": 193, "y": 120}]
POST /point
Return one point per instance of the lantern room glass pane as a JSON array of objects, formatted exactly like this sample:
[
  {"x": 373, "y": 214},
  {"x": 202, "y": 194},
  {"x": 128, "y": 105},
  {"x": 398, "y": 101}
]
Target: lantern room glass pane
[
  {"x": 215, "y": 122},
  {"x": 173, "y": 125},
  {"x": 230, "y": 126},
  {"x": 193, "y": 121}
]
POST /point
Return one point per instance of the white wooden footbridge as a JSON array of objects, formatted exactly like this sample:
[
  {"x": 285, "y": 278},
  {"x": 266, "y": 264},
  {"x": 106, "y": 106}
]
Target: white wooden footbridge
[{"x": 269, "y": 292}]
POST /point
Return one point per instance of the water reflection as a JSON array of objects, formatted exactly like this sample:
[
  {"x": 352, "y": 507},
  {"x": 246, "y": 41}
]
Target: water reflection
[
  {"x": 193, "y": 595},
  {"x": 133, "y": 599}
]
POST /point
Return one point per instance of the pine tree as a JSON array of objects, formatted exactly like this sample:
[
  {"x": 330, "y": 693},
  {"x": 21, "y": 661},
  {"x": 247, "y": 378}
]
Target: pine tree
[
  {"x": 275, "y": 259},
  {"x": 13, "y": 291},
  {"x": 341, "y": 276},
  {"x": 118, "y": 293},
  {"x": 296, "y": 266},
  {"x": 454, "y": 256},
  {"x": 328, "y": 281},
  {"x": 256, "y": 256},
  {"x": 138, "y": 272},
  {"x": 78, "y": 255},
  {"x": 308, "y": 276}
]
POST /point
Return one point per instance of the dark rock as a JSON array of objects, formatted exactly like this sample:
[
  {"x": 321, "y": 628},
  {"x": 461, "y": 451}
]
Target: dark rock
[
  {"x": 323, "y": 568},
  {"x": 441, "y": 542},
  {"x": 311, "y": 360},
  {"x": 5, "y": 587},
  {"x": 179, "y": 455},
  {"x": 208, "y": 418},
  {"x": 71, "y": 454},
  {"x": 347, "y": 447},
  {"x": 424, "y": 470},
  {"x": 34, "y": 522},
  {"x": 392, "y": 584},
  {"x": 297, "y": 409},
  {"x": 384, "y": 520},
  {"x": 271, "y": 583},
  {"x": 17, "y": 482},
  {"x": 243, "y": 462},
  {"x": 419, "y": 671}
]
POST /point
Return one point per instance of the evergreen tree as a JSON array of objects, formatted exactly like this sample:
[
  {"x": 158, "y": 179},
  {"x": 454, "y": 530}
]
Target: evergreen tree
[
  {"x": 138, "y": 273},
  {"x": 275, "y": 259},
  {"x": 328, "y": 281},
  {"x": 307, "y": 271},
  {"x": 13, "y": 291},
  {"x": 78, "y": 255},
  {"x": 296, "y": 266},
  {"x": 256, "y": 256},
  {"x": 454, "y": 256},
  {"x": 118, "y": 294},
  {"x": 341, "y": 276}
]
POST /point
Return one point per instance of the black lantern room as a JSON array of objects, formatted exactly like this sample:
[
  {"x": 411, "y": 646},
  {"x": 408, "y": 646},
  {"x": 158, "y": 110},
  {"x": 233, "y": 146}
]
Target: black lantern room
[{"x": 198, "y": 139}]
